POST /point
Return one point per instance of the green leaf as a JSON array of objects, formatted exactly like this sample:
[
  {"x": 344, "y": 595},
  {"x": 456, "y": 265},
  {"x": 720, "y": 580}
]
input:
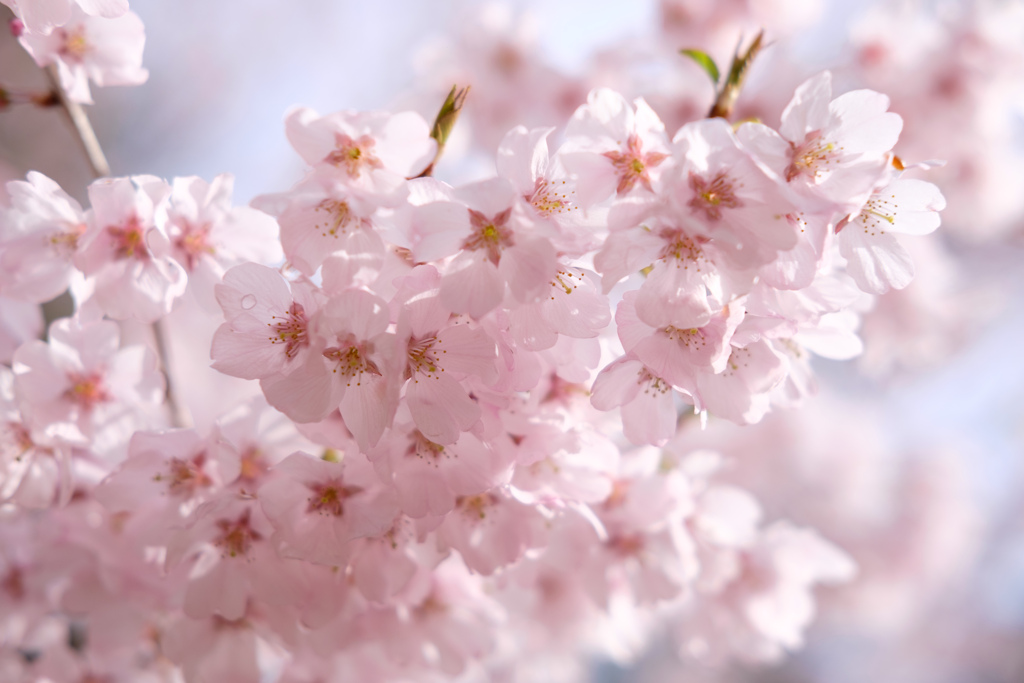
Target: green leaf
[{"x": 704, "y": 60}]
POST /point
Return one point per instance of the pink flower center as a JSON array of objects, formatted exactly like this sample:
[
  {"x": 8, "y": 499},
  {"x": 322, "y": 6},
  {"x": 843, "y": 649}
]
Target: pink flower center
[
  {"x": 86, "y": 390},
  {"x": 564, "y": 280},
  {"x": 290, "y": 330},
  {"x": 476, "y": 506},
  {"x": 712, "y": 195},
  {"x": 194, "y": 242},
  {"x": 813, "y": 157},
  {"x": 681, "y": 247},
  {"x": 692, "y": 338},
  {"x": 236, "y": 537},
  {"x": 329, "y": 499},
  {"x": 489, "y": 234},
  {"x": 185, "y": 477},
  {"x": 73, "y": 45},
  {"x": 423, "y": 448},
  {"x": 352, "y": 360},
  {"x": 631, "y": 165},
  {"x": 253, "y": 465},
  {"x": 339, "y": 216},
  {"x": 14, "y": 583},
  {"x": 551, "y": 197},
  {"x": 129, "y": 240},
  {"x": 354, "y": 155},
  {"x": 653, "y": 383},
  {"x": 626, "y": 546},
  {"x": 423, "y": 358},
  {"x": 66, "y": 241}
]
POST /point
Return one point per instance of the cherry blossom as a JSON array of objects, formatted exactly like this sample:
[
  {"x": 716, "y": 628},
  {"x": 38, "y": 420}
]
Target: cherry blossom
[{"x": 107, "y": 51}]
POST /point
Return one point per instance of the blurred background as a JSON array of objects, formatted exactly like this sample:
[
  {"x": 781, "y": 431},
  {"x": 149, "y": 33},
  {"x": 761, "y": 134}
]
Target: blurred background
[{"x": 910, "y": 458}]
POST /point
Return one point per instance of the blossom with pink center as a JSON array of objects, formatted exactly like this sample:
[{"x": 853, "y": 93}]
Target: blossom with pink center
[
  {"x": 166, "y": 475},
  {"x": 42, "y": 16},
  {"x": 867, "y": 239},
  {"x": 723, "y": 194},
  {"x": 832, "y": 151},
  {"x": 429, "y": 477},
  {"x": 493, "y": 242},
  {"x": 208, "y": 235},
  {"x": 546, "y": 192},
  {"x": 690, "y": 275},
  {"x": 226, "y": 538},
  {"x": 355, "y": 323},
  {"x": 320, "y": 217},
  {"x": 613, "y": 148},
  {"x": 374, "y": 151},
  {"x": 492, "y": 530},
  {"x": 439, "y": 354},
  {"x": 647, "y": 401},
  {"x": 268, "y": 323},
  {"x": 32, "y": 474},
  {"x": 572, "y": 307},
  {"x": 126, "y": 253},
  {"x": 107, "y": 51},
  {"x": 39, "y": 235},
  {"x": 678, "y": 355},
  {"x": 81, "y": 382},
  {"x": 317, "y": 508}
]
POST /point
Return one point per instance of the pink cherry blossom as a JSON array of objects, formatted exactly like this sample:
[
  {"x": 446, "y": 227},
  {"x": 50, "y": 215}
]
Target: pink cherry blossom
[
  {"x": 107, "y": 51},
  {"x": 81, "y": 382},
  {"x": 41, "y": 16},
  {"x": 39, "y": 235},
  {"x": 317, "y": 508},
  {"x": 867, "y": 239},
  {"x": 126, "y": 254}
]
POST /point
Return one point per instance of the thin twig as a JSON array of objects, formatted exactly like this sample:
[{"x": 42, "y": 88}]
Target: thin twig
[
  {"x": 80, "y": 122},
  {"x": 726, "y": 99},
  {"x": 180, "y": 417}
]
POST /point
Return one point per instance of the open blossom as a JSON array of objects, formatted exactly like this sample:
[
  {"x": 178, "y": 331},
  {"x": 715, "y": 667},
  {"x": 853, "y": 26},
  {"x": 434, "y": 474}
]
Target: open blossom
[
  {"x": 126, "y": 253},
  {"x": 317, "y": 508},
  {"x": 374, "y": 151},
  {"x": 613, "y": 148},
  {"x": 320, "y": 217},
  {"x": 833, "y": 152},
  {"x": 39, "y": 235},
  {"x": 81, "y": 382},
  {"x": 41, "y": 16},
  {"x": 208, "y": 235},
  {"x": 867, "y": 238},
  {"x": 268, "y": 328},
  {"x": 107, "y": 51}
]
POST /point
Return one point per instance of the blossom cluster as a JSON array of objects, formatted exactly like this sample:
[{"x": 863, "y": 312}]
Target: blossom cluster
[
  {"x": 87, "y": 40},
  {"x": 484, "y": 387}
]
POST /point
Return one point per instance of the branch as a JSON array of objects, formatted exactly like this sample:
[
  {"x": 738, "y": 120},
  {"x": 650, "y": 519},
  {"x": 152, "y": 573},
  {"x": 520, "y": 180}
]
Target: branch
[
  {"x": 730, "y": 90},
  {"x": 80, "y": 122}
]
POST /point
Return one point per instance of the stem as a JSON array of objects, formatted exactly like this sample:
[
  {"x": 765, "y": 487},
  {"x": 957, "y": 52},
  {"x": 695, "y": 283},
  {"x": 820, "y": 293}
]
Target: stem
[
  {"x": 101, "y": 169},
  {"x": 730, "y": 91},
  {"x": 80, "y": 122},
  {"x": 180, "y": 417}
]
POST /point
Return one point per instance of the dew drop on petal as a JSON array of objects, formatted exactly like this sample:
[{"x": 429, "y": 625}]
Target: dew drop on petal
[{"x": 248, "y": 302}]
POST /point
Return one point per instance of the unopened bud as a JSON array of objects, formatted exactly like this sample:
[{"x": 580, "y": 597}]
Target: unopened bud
[{"x": 17, "y": 27}]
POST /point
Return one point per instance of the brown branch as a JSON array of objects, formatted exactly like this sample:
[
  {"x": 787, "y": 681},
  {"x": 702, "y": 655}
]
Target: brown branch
[
  {"x": 80, "y": 122},
  {"x": 730, "y": 91}
]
